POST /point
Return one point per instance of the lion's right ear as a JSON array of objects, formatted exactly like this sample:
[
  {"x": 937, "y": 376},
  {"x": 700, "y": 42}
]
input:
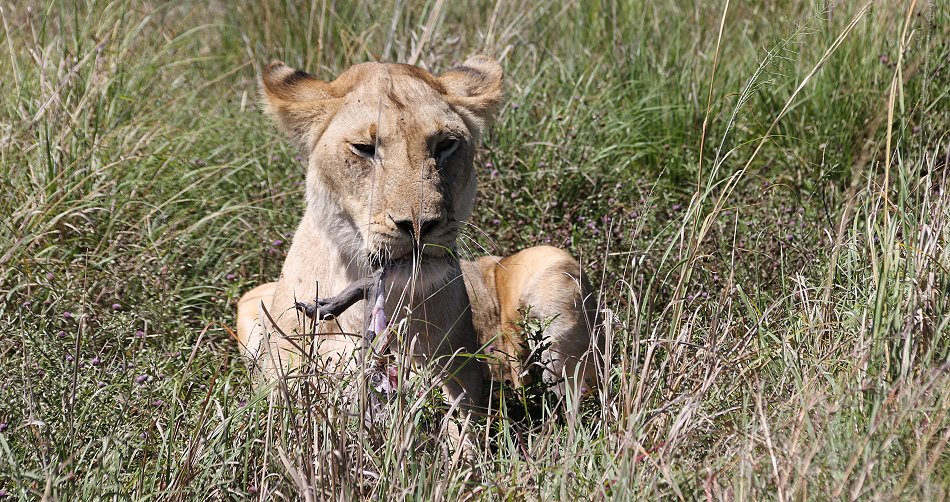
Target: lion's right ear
[
  {"x": 476, "y": 85},
  {"x": 298, "y": 101}
]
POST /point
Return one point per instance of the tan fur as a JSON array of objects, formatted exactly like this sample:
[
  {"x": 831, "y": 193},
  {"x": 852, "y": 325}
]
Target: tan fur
[
  {"x": 361, "y": 209},
  {"x": 547, "y": 283}
]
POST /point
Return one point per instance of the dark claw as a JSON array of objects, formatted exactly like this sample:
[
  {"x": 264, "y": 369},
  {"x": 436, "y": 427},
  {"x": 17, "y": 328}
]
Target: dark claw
[{"x": 333, "y": 307}]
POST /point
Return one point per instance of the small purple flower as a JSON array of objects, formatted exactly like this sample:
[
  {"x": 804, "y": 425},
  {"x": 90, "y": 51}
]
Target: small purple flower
[
  {"x": 27, "y": 304},
  {"x": 515, "y": 106},
  {"x": 69, "y": 358},
  {"x": 231, "y": 277},
  {"x": 141, "y": 379},
  {"x": 158, "y": 402},
  {"x": 139, "y": 333},
  {"x": 67, "y": 315},
  {"x": 884, "y": 59},
  {"x": 496, "y": 222},
  {"x": 677, "y": 207},
  {"x": 252, "y": 490},
  {"x": 61, "y": 334},
  {"x": 4, "y": 426},
  {"x": 200, "y": 162},
  {"x": 50, "y": 276},
  {"x": 101, "y": 384},
  {"x": 242, "y": 403},
  {"x": 95, "y": 361},
  {"x": 494, "y": 173},
  {"x": 116, "y": 306},
  {"x": 489, "y": 165}
]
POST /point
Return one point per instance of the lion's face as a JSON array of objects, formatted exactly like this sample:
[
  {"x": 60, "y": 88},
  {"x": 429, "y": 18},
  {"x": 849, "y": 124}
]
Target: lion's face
[{"x": 390, "y": 152}]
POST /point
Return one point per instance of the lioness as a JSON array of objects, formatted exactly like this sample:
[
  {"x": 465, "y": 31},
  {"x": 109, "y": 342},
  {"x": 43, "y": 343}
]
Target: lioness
[{"x": 390, "y": 180}]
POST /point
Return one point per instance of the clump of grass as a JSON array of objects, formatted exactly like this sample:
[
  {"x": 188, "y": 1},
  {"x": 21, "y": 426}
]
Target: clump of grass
[{"x": 760, "y": 192}]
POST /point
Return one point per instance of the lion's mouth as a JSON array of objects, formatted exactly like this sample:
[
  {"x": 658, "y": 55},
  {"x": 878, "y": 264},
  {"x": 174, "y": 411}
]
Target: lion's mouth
[
  {"x": 411, "y": 258},
  {"x": 398, "y": 255}
]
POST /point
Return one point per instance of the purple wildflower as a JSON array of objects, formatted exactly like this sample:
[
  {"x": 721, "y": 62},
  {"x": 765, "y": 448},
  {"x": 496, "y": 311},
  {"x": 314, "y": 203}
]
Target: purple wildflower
[
  {"x": 489, "y": 165},
  {"x": 231, "y": 277},
  {"x": 141, "y": 379},
  {"x": 67, "y": 315},
  {"x": 49, "y": 276},
  {"x": 117, "y": 306},
  {"x": 61, "y": 334},
  {"x": 95, "y": 361},
  {"x": 69, "y": 358},
  {"x": 515, "y": 106},
  {"x": 4, "y": 426},
  {"x": 277, "y": 243},
  {"x": 139, "y": 333}
]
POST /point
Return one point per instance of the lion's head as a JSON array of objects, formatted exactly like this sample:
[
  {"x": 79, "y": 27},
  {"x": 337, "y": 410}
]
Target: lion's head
[{"x": 390, "y": 149}]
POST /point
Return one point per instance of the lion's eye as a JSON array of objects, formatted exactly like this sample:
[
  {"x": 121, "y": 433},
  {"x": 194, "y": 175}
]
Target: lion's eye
[
  {"x": 364, "y": 149},
  {"x": 445, "y": 148}
]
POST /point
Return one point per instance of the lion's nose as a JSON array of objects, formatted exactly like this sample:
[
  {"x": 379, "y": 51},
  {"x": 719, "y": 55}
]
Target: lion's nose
[{"x": 425, "y": 225}]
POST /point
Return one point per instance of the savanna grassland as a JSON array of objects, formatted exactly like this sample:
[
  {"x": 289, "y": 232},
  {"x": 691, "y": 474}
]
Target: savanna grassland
[{"x": 759, "y": 190}]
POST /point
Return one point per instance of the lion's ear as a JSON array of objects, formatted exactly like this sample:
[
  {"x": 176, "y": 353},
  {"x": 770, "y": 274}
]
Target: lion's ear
[
  {"x": 476, "y": 85},
  {"x": 298, "y": 101}
]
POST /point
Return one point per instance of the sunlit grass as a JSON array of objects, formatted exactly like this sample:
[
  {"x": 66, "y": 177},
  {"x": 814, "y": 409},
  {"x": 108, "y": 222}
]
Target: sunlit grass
[{"x": 779, "y": 308}]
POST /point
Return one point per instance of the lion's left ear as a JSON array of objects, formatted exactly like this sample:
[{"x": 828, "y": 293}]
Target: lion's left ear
[
  {"x": 476, "y": 85},
  {"x": 298, "y": 101}
]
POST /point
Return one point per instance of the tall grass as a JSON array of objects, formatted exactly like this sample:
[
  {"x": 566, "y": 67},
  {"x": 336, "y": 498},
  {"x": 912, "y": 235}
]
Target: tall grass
[{"x": 759, "y": 190}]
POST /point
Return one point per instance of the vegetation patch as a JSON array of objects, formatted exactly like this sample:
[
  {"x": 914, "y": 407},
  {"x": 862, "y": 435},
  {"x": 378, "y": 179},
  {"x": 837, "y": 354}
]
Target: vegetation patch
[{"x": 758, "y": 189}]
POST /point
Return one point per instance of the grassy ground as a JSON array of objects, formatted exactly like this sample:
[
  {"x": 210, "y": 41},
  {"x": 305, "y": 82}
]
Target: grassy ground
[{"x": 759, "y": 189}]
